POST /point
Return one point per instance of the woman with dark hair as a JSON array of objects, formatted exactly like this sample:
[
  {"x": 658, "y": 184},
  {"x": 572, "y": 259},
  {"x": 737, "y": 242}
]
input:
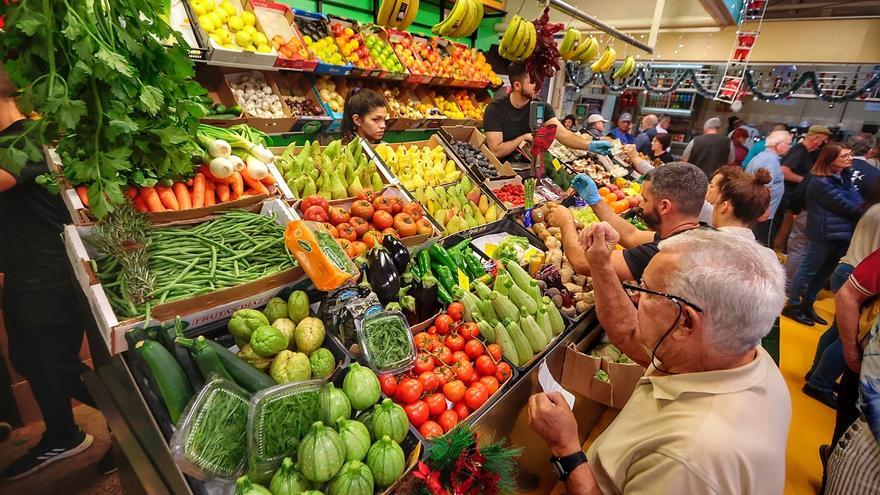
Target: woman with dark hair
[
  {"x": 739, "y": 137},
  {"x": 741, "y": 201},
  {"x": 720, "y": 178},
  {"x": 364, "y": 116},
  {"x": 659, "y": 150},
  {"x": 569, "y": 122},
  {"x": 834, "y": 206}
]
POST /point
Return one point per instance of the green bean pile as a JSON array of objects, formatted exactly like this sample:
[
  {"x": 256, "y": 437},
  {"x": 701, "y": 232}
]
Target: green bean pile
[{"x": 237, "y": 248}]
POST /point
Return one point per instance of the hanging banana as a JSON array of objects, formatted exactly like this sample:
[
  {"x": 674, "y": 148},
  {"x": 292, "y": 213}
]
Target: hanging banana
[
  {"x": 463, "y": 19},
  {"x": 626, "y": 69}
]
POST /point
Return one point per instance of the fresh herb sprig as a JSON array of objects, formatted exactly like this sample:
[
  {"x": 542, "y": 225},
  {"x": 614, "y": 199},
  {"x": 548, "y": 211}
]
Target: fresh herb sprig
[
  {"x": 387, "y": 341},
  {"x": 121, "y": 105}
]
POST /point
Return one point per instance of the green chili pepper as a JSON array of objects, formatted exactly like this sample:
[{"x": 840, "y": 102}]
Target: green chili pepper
[
  {"x": 461, "y": 245},
  {"x": 475, "y": 267},
  {"x": 440, "y": 257},
  {"x": 444, "y": 276}
]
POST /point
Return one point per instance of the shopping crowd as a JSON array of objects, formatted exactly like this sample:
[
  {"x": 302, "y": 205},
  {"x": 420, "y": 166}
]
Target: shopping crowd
[{"x": 709, "y": 288}]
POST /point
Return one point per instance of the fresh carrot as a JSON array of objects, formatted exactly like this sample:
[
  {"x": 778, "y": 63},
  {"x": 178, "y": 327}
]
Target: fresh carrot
[
  {"x": 222, "y": 191},
  {"x": 210, "y": 197},
  {"x": 198, "y": 190},
  {"x": 206, "y": 171},
  {"x": 253, "y": 183},
  {"x": 83, "y": 193},
  {"x": 189, "y": 182},
  {"x": 237, "y": 186},
  {"x": 140, "y": 204},
  {"x": 182, "y": 195},
  {"x": 167, "y": 197},
  {"x": 268, "y": 180},
  {"x": 131, "y": 192},
  {"x": 151, "y": 198}
]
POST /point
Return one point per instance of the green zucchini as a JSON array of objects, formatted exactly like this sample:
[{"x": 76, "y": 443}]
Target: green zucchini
[
  {"x": 557, "y": 324},
  {"x": 206, "y": 359},
  {"x": 167, "y": 377},
  {"x": 248, "y": 377},
  {"x": 523, "y": 348},
  {"x": 530, "y": 329},
  {"x": 135, "y": 335},
  {"x": 508, "y": 349},
  {"x": 487, "y": 331},
  {"x": 503, "y": 307},
  {"x": 167, "y": 336},
  {"x": 543, "y": 321},
  {"x": 522, "y": 299}
]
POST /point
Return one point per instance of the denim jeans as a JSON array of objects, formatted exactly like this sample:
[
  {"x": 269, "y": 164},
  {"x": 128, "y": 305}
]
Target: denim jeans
[
  {"x": 828, "y": 363},
  {"x": 796, "y": 247},
  {"x": 818, "y": 263}
]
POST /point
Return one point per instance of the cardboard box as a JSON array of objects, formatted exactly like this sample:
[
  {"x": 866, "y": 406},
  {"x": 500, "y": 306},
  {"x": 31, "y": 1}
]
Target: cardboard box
[
  {"x": 478, "y": 140},
  {"x": 220, "y": 93},
  {"x": 197, "y": 310},
  {"x": 301, "y": 17},
  {"x": 579, "y": 369},
  {"x": 268, "y": 125},
  {"x": 293, "y": 84},
  {"x": 276, "y": 19}
]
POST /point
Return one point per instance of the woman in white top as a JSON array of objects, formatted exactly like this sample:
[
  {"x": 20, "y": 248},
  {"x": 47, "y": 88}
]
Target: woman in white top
[{"x": 740, "y": 199}]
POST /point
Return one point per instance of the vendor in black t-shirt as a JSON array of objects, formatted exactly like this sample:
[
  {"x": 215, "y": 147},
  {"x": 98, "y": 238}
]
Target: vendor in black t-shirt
[
  {"x": 674, "y": 195},
  {"x": 506, "y": 119}
]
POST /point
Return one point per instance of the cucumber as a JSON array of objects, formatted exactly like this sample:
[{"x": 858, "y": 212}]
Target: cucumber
[
  {"x": 532, "y": 332},
  {"x": 205, "y": 357},
  {"x": 250, "y": 378},
  {"x": 523, "y": 348},
  {"x": 508, "y": 349},
  {"x": 167, "y": 377}
]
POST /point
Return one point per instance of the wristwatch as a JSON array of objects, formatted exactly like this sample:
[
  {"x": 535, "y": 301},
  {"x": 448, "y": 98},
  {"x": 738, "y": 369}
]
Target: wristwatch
[{"x": 565, "y": 465}]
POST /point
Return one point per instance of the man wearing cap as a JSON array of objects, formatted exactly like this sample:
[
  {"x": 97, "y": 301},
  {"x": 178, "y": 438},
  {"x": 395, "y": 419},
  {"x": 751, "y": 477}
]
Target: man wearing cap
[
  {"x": 595, "y": 126},
  {"x": 621, "y": 132},
  {"x": 709, "y": 150}
]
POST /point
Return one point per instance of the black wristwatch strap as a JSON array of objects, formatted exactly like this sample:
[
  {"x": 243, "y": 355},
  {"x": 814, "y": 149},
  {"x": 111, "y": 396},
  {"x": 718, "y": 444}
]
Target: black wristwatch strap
[{"x": 565, "y": 465}]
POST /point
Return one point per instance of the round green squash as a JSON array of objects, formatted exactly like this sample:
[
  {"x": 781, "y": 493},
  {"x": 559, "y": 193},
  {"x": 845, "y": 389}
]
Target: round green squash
[
  {"x": 386, "y": 461},
  {"x": 390, "y": 419},
  {"x": 321, "y": 453},
  {"x": 354, "y": 478},
  {"x": 356, "y": 437},
  {"x": 288, "y": 480},
  {"x": 336, "y": 405},
  {"x": 361, "y": 386}
]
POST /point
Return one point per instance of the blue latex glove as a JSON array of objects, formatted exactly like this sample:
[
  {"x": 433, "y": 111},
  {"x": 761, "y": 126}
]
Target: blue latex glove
[
  {"x": 586, "y": 188},
  {"x": 601, "y": 147}
]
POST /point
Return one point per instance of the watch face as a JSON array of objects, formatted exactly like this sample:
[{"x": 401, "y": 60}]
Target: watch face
[{"x": 557, "y": 468}]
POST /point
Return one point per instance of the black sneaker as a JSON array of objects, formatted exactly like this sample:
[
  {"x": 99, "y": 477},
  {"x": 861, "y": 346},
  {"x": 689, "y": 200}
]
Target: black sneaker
[
  {"x": 45, "y": 453},
  {"x": 5, "y": 430},
  {"x": 794, "y": 312},
  {"x": 810, "y": 313},
  {"x": 107, "y": 464},
  {"x": 827, "y": 398}
]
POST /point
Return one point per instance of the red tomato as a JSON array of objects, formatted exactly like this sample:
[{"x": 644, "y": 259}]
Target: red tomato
[
  {"x": 430, "y": 429},
  {"x": 494, "y": 350},
  {"x": 382, "y": 219},
  {"x": 360, "y": 225},
  {"x": 436, "y": 404},
  {"x": 443, "y": 322},
  {"x": 476, "y": 397},
  {"x": 389, "y": 385},
  {"x": 424, "y": 226},
  {"x": 367, "y": 194},
  {"x": 502, "y": 372},
  {"x": 362, "y": 208},
  {"x": 469, "y": 330},
  {"x": 461, "y": 409},
  {"x": 485, "y": 365},
  {"x": 443, "y": 356},
  {"x": 421, "y": 340},
  {"x": 331, "y": 229},
  {"x": 424, "y": 363},
  {"x": 339, "y": 215},
  {"x": 396, "y": 205},
  {"x": 429, "y": 381},
  {"x": 358, "y": 248},
  {"x": 390, "y": 231},
  {"x": 432, "y": 330},
  {"x": 447, "y": 420},
  {"x": 454, "y": 342},
  {"x": 464, "y": 370},
  {"x": 413, "y": 209},
  {"x": 372, "y": 238},
  {"x": 446, "y": 375},
  {"x": 474, "y": 349},
  {"x": 408, "y": 391},
  {"x": 383, "y": 203},
  {"x": 417, "y": 412},
  {"x": 454, "y": 390},
  {"x": 455, "y": 310},
  {"x": 405, "y": 225},
  {"x": 491, "y": 383},
  {"x": 480, "y": 385},
  {"x": 346, "y": 231},
  {"x": 315, "y": 213},
  {"x": 460, "y": 356}
]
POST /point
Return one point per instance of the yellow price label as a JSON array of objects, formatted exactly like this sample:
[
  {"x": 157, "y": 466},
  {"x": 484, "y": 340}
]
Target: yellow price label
[
  {"x": 489, "y": 249},
  {"x": 463, "y": 281},
  {"x": 556, "y": 164}
]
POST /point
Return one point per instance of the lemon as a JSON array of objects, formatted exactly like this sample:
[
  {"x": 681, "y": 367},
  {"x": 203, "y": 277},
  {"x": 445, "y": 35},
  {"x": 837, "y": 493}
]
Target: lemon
[
  {"x": 249, "y": 18},
  {"x": 199, "y": 8},
  {"x": 228, "y": 7},
  {"x": 222, "y": 15},
  {"x": 209, "y": 5},
  {"x": 235, "y": 23},
  {"x": 207, "y": 23},
  {"x": 264, "y": 48},
  {"x": 249, "y": 30},
  {"x": 250, "y": 47},
  {"x": 307, "y": 40},
  {"x": 224, "y": 33},
  {"x": 259, "y": 39},
  {"x": 215, "y": 19},
  {"x": 216, "y": 36},
  {"x": 242, "y": 38}
]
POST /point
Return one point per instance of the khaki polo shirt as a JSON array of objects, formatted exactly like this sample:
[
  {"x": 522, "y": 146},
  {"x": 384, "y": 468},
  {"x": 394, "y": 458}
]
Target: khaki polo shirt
[{"x": 716, "y": 432}]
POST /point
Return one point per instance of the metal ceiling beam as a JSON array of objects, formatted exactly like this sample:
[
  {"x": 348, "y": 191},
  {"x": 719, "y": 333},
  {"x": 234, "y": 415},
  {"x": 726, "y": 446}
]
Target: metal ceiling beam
[{"x": 578, "y": 14}]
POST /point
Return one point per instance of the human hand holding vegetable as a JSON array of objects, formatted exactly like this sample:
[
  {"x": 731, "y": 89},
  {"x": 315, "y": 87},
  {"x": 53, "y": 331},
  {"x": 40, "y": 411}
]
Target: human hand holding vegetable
[{"x": 586, "y": 189}]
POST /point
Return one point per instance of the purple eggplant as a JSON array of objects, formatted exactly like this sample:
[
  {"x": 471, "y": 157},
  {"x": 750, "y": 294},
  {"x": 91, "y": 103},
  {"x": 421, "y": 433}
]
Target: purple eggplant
[
  {"x": 382, "y": 275},
  {"x": 399, "y": 253}
]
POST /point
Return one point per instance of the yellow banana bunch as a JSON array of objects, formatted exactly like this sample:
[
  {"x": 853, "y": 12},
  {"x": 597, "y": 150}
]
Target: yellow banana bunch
[
  {"x": 397, "y": 14},
  {"x": 626, "y": 68},
  {"x": 586, "y": 51},
  {"x": 463, "y": 19},
  {"x": 606, "y": 61},
  {"x": 519, "y": 39},
  {"x": 569, "y": 43}
]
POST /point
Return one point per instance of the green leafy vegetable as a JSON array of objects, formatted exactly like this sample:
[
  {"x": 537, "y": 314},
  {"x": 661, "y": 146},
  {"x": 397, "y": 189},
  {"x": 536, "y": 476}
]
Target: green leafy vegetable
[{"x": 512, "y": 248}]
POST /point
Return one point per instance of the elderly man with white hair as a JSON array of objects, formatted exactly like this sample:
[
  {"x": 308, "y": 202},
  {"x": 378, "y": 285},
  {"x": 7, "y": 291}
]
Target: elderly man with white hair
[
  {"x": 711, "y": 149},
  {"x": 712, "y": 413}
]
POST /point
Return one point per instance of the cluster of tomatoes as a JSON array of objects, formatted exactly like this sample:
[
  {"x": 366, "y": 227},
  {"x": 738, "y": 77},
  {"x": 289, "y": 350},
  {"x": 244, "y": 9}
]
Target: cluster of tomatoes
[
  {"x": 455, "y": 373},
  {"x": 514, "y": 194},
  {"x": 370, "y": 216}
]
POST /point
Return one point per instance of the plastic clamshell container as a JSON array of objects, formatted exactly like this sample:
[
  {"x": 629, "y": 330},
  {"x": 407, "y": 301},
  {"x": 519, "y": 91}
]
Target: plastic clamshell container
[
  {"x": 200, "y": 461},
  {"x": 264, "y": 456},
  {"x": 369, "y": 319}
]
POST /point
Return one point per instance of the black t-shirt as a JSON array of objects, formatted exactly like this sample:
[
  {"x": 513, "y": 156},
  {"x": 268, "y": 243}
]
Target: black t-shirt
[
  {"x": 512, "y": 122},
  {"x": 637, "y": 258},
  {"x": 800, "y": 161},
  {"x": 32, "y": 253}
]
